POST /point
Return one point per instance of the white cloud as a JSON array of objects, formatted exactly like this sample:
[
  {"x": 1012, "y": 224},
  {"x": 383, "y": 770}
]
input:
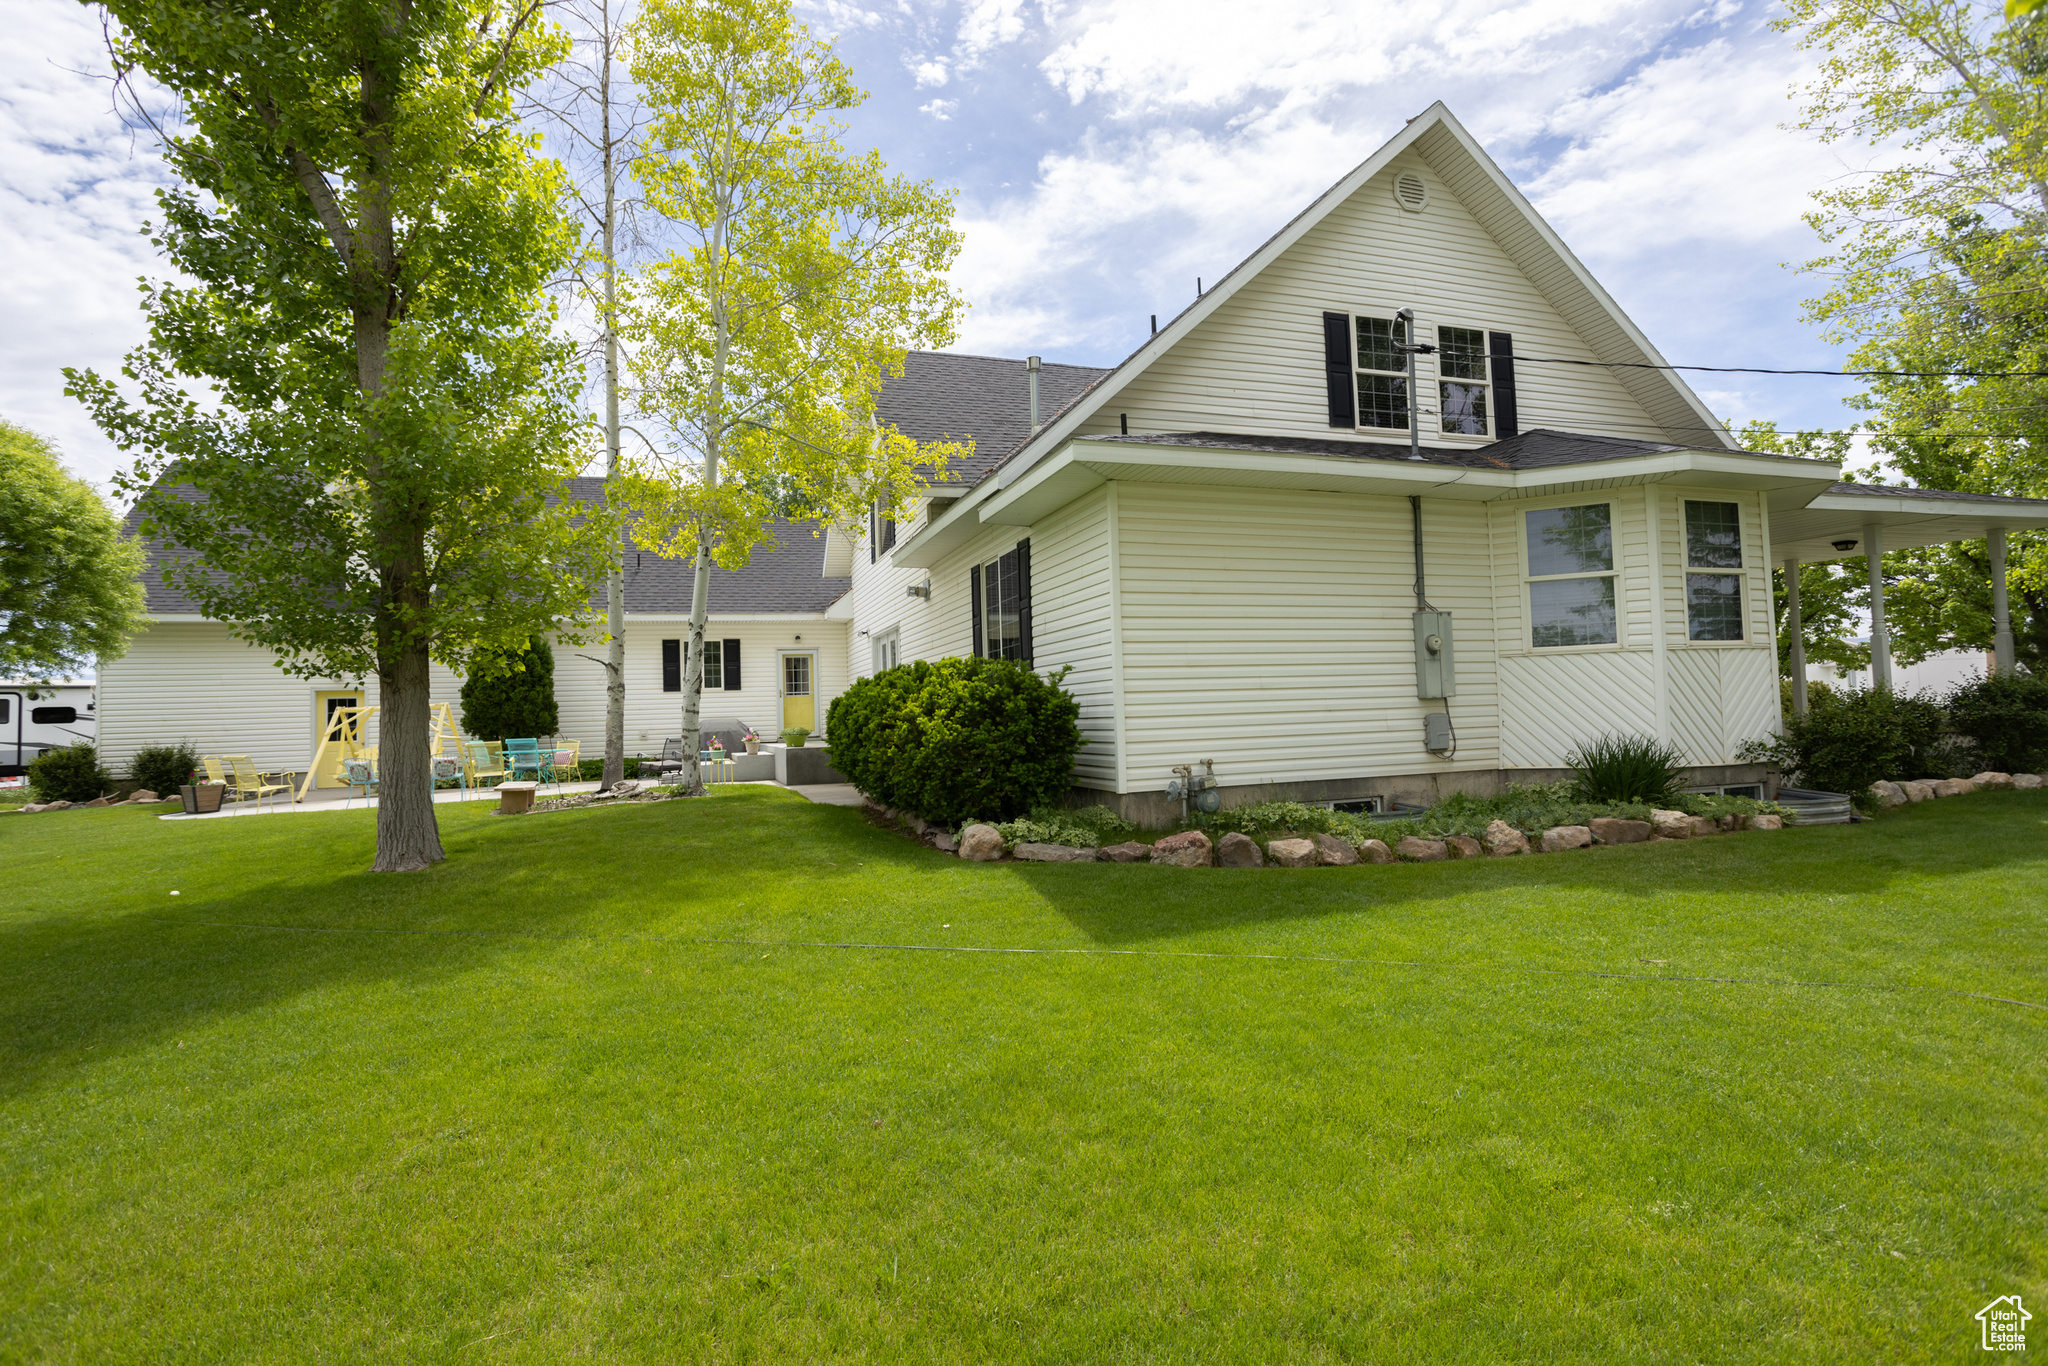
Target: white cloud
[
  {"x": 939, "y": 109},
  {"x": 931, "y": 72}
]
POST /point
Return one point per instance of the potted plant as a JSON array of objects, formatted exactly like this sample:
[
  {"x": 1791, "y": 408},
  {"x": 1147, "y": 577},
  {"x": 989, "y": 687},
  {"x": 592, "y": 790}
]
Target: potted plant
[
  {"x": 753, "y": 741},
  {"x": 795, "y": 737},
  {"x": 201, "y": 799}
]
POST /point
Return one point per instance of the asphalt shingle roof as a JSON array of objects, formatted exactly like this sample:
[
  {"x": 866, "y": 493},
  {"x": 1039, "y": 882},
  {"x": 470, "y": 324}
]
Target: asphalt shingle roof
[
  {"x": 785, "y": 576},
  {"x": 1896, "y": 491},
  {"x": 941, "y": 395}
]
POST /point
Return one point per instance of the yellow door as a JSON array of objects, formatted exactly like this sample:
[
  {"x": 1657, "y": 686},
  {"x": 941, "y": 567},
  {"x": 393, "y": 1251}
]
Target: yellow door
[
  {"x": 799, "y": 706},
  {"x": 325, "y": 705}
]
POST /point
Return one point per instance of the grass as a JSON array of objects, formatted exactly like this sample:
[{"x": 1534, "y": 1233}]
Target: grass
[{"x": 578, "y": 1094}]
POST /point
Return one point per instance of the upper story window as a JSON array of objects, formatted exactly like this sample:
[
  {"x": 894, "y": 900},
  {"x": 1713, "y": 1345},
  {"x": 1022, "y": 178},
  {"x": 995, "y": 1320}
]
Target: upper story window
[
  {"x": 1001, "y": 594},
  {"x": 1571, "y": 576},
  {"x": 1713, "y": 542},
  {"x": 1382, "y": 373},
  {"x": 1465, "y": 384}
]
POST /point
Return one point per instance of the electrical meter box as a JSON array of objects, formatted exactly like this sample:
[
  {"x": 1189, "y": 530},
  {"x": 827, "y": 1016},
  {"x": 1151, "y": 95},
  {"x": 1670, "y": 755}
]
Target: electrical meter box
[{"x": 1434, "y": 674}]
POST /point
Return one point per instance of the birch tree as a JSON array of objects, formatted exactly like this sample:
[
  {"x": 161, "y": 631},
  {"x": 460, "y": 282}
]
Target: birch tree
[
  {"x": 590, "y": 100},
  {"x": 370, "y": 239},
  {"x": 801, "y": 275}
]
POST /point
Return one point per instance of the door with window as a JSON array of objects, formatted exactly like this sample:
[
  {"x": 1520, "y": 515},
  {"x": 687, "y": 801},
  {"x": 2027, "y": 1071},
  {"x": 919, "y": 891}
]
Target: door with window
[
  {"x": 328, "y": 708},
  {"x": 799, "y": 703}
]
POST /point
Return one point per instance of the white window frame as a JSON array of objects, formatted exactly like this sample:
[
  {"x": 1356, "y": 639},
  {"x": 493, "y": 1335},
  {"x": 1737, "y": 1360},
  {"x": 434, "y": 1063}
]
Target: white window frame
[
  {"x": 1359, "y": 372},
  {"x": 1486, "y": 363},
  {"x": 886, "y": 649},
  {"x": 1740, "y": 574},
  {"x": 1529, "y": 644}
]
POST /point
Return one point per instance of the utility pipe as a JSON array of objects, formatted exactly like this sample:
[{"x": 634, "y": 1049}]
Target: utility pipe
[
  {"x": 1880, "y": 637},
  {"x": 1796, "y": 627},
  {"x": 2001, "y": 608}
]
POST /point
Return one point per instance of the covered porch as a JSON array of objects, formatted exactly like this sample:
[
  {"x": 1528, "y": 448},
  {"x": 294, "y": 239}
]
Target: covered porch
[{"x": 1866, "y": 520}]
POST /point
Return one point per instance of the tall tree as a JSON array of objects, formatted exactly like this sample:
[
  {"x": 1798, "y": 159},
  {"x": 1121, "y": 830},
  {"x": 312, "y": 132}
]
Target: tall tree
[
  {"x": 588, "y": 97},
  {"x": 69, "y": 595},
  {"x": 1936, "y": 269},
  {"x": 804, "y": 273},
  {"x": 370, "y": 237}
]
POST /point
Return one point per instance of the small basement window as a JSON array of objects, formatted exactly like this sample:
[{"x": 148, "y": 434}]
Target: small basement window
[
  {"x": 1571, "y": 576},
  {"x": 1713, "y": 542}
]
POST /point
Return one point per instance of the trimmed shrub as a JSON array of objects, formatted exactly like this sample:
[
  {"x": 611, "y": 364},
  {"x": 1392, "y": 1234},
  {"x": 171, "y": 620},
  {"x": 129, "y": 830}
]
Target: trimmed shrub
[
  {"x": 1626, "y": 768},
  {"x": 515, "y": 698},
  {"x": 2006, "y": 715},
  {"x": 1080, "y": 829},
  {"x": 958, "y": 739},
  {"x": 1854, "y": 737},
  {"x": 163, "y": 769},
  {"x": 69, "y": 775}
]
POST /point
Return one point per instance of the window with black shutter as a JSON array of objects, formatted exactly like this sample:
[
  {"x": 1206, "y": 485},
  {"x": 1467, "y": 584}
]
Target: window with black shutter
[
  {"x": 714, "y": 664},
  {"x": 1337, "y": 368},
  {"x": 729, "y": 664},
  {"x": 1002, "y": 617},
  {"x": 1506, "y": 421}
]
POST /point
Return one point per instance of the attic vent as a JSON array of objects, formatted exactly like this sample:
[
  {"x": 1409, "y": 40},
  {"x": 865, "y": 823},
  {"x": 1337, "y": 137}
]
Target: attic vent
[{"x": 1409, "y": 191}]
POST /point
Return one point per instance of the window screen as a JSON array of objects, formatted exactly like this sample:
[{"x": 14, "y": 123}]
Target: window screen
[
  {"x": 1571, "y": 563},
  {"x": 1571, "y": 540},
  {"x": 1382, "y": 397},
  {"x": 1713, "y": 540},
  {"x": 1002, "y": 589}
]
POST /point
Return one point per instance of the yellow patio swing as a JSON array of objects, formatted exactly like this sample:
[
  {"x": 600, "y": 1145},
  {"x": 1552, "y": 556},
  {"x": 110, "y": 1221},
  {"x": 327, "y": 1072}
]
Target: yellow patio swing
[{"x": 343, "y": 741}]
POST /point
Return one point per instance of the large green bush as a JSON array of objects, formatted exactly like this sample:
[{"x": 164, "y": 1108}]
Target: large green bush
[
  {"x": 163, "y": 769},
  {"x": 959, "y": 739},
  {"x": 517, "y": 698},
  {"x": 69, "y": 775},
  {"x": 2006, "y": 715},
  {"x": 1854, "y": 737}
]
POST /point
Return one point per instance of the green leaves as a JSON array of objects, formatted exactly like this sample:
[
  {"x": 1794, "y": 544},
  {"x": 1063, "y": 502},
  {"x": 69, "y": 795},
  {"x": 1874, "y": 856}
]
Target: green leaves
[{"x": 68, "y": 580}]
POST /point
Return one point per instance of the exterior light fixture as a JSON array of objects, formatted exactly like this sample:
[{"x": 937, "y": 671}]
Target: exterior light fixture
[
  {"x": 920, "y": 590},
  {"x": 1845, "y": 545}
]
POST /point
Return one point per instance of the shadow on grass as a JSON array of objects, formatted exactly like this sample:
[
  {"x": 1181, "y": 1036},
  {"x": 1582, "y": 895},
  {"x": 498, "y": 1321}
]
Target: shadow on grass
[
  {"x": 1136, "y": 903},
  {"x": 98, "y": 956}
]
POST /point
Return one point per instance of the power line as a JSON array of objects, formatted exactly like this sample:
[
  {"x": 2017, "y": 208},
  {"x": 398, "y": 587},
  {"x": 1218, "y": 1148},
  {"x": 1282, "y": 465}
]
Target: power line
[{"x": 1758, "y": 370}]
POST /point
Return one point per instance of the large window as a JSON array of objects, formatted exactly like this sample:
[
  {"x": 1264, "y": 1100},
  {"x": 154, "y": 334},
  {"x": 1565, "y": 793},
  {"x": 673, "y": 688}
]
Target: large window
[
  {"x": 1571, "y": 576},
  {"x": 1002, "y": 616},
  {"x": 1464, "y": 384},
  {"x": 721, "y": 665},
  {"x": 1382, "y": 373},
  {"x": 1713, "y": 546}
]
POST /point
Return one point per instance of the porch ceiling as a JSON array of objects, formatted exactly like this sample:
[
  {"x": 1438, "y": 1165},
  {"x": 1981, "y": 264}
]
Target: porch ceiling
[{"x": 1907, "y": 518}]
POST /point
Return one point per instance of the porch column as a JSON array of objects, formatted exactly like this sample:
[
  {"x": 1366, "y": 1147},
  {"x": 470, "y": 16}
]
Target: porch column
[
  {"x": 1880, "y": 640},
  {"x": 1797, "y": 629},
  {"x": 2001, "y": 611}
]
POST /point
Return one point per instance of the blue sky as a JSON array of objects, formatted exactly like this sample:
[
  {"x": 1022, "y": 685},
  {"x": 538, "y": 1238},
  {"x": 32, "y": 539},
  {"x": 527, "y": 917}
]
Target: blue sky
[{"x": 1108, "y": 152}]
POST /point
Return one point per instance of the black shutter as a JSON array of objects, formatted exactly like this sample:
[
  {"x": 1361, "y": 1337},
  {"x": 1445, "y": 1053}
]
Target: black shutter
[
  {"x": 1501, "y": 347},
  {"x": 671, "y": 666},
  {"x": 1024, "y": 600},
  {"x": 732, "y": 664},
  {"x": 873, "y": 538},
  {"x": 974, "y": 596},
  {"x": 888, "y": 533},
  {"x": 1337, "y": 370}
]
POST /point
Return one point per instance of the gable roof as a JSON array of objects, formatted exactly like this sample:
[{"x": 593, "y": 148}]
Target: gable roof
[
  {"x": 782, "y": 577},
  {"x": 1501, "y": 209},
  {"x": 1538, "y": 448},
  {"x": 942, "y": 395}
]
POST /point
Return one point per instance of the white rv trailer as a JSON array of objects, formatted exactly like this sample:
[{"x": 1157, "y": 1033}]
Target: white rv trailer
[{"x": 40, "y": 716}]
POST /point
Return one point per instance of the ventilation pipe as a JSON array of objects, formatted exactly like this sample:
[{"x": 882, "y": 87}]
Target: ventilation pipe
[{"x": 1031, "y": 367}]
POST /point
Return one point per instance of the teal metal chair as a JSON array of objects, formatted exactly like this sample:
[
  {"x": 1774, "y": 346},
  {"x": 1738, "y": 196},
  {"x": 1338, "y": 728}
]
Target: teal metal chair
[
  {"x": 526, "y": 756},
  {"x": 358, "y": 774}
]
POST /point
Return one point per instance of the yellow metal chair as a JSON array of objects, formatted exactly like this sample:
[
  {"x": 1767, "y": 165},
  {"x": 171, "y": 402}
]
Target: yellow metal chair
[
  {"x": 568, "y": 753},
  {"x": 249, "y": 782},
  {"x": 480, "y": 760},
  {"x": 215, "y": 773}
]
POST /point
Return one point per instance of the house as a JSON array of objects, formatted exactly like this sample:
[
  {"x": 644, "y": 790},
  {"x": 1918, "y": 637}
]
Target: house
[
  {"x": 775, "y": 656},
  {"x": 1243, "y": 557},
  {"x": 1231, "y": 544}
]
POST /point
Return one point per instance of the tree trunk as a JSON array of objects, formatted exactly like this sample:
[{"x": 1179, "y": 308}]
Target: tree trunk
[
  {"x": 615, "y": 587},
  {"x": 693, "y": 672},
  {"x": 408, "y": 837}
]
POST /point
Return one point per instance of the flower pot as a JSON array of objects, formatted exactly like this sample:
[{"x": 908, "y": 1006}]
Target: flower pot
[
  {"x": 201, "y": 799},
  {"x": 753, "y": 744}
]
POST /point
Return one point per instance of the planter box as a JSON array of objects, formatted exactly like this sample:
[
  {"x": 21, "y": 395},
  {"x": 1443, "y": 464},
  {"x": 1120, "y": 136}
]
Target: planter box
[
  {"x": 203, "y": 799},
  {"x": 805, "y": 767}
]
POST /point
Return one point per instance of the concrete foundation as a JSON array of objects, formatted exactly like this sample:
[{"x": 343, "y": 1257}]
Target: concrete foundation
[{"x": 806, "y": 767}]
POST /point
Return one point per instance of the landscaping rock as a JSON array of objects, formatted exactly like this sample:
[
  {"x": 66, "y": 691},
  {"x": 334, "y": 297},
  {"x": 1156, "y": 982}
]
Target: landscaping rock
[
  {"x": 1239, "y": 851},
  {"x": 1919, "y": 790},
  {"x": 1704, "y": 825},
  {"x": 1993, "y": 782},
  {"x": 33, "y": 807},
  {"x": 1767, "y": 822},
  {"x": 1504, "y": 841},
  {"x": 2026, "y": 781},
  {"x": 1954, "y": 787},
  {"x": 99, "y": 801},
  {"x": 1464, "y": 846},
  {"x": 1731, "y": 824},
  {"x": 981, "y": 844},
  {"x": 1054, "y": 853},
  {"x": 1375, "y": 851},
  {"x": 1672, "y": 825},
  {"x": 1559, "y": 838},
  {"x": 945, "y": 843},
  {"x": 1332, "y": 852},
  {"x": 1188, "y": 849},
  {"x": 1293, "y": 853},
  {"x": 143, "y": 794},
  {"x": 1889, "y": 794},
  {"x": 1613, "y": 830},
  {"x": 1422, "y": 850},
  {"x": 1128, "y": 852}
]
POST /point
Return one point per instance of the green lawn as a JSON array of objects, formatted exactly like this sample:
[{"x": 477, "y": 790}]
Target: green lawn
[{"x": 577, "y": 1093}]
